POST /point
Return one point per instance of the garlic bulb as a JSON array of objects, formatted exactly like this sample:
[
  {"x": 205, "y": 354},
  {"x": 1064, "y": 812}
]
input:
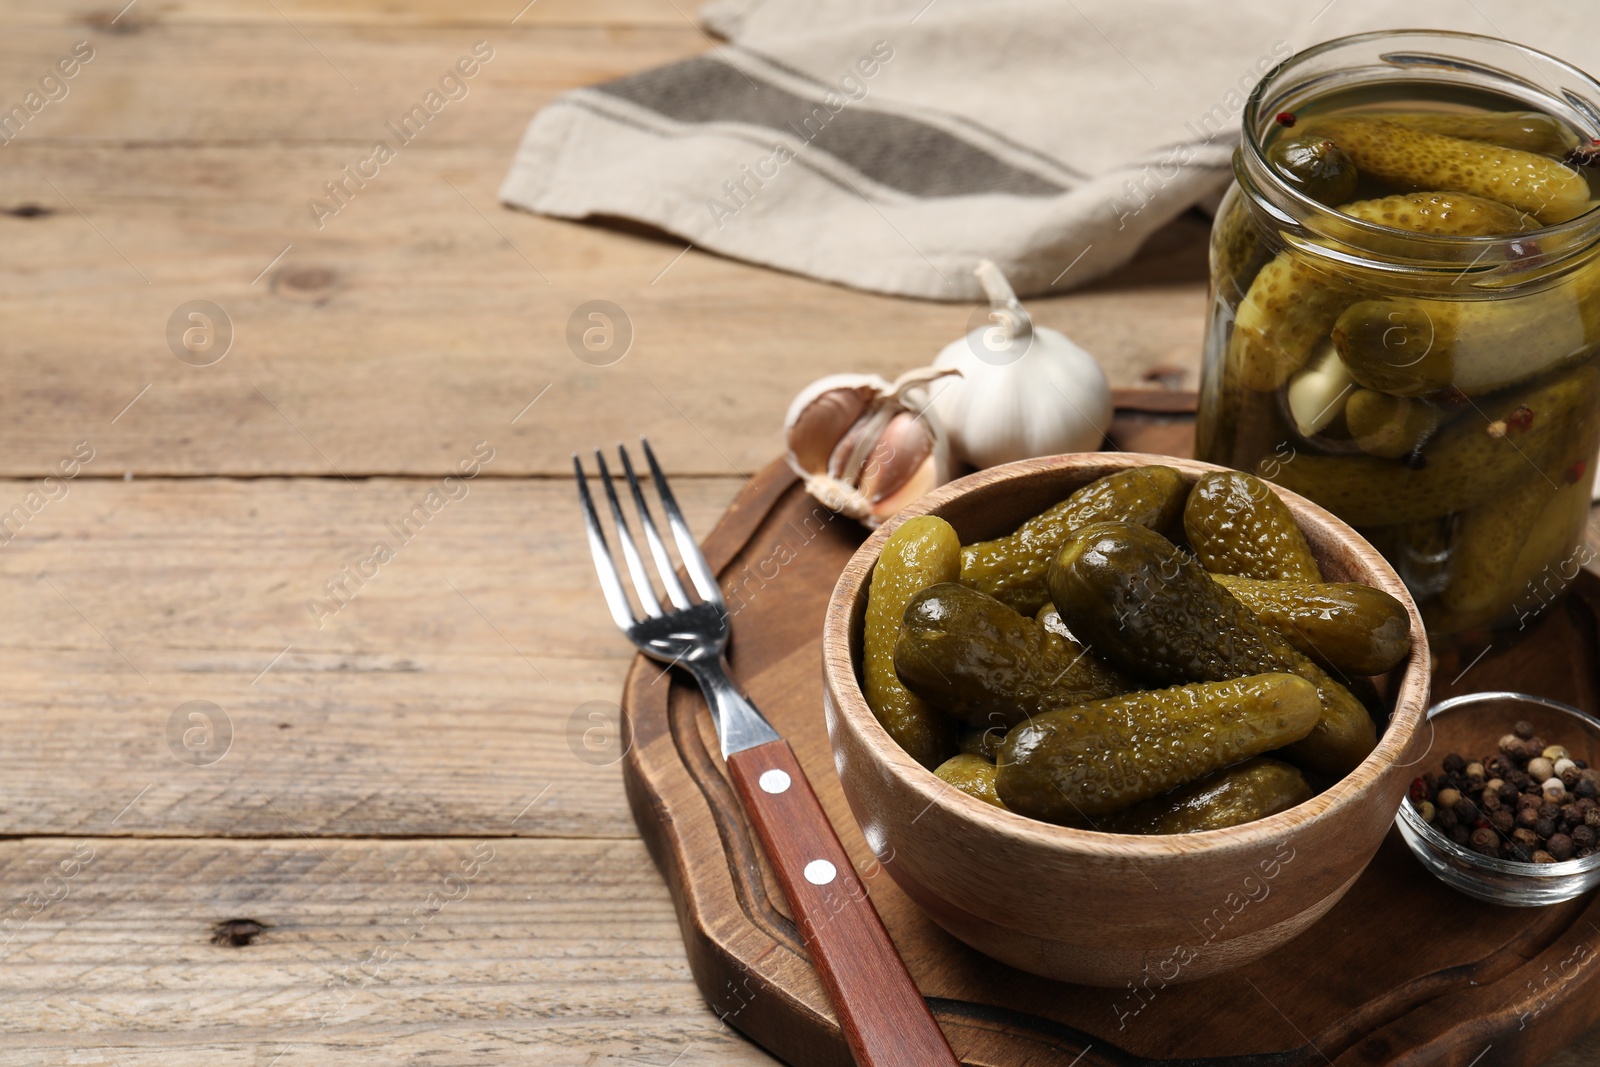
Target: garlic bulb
[
  {"x": 866, "y": 447},
  {"x": 1024, "y": 390}
]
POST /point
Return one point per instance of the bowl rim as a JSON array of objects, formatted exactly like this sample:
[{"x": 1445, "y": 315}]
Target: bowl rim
[
  {"x": 1495, "y": 865},
  {"x": 844, "y": 691}
]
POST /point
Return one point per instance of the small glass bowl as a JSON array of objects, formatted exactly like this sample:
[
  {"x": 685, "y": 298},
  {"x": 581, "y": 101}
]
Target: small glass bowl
[{"x": 1472, "y": 726}]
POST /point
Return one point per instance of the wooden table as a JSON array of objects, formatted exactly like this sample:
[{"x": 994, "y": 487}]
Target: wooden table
[{"x": 405, "y": 853}]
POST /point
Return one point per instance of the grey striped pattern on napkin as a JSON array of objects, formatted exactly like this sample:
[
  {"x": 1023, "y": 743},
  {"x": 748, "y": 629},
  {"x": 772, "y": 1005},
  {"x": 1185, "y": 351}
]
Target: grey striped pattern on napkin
[{"x": 891, "y": 144}]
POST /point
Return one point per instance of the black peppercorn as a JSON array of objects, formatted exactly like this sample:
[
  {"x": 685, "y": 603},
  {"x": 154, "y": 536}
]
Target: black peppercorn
[
  {"x": 1503, "y": 821},
  {"x": 1583, "y": 837},
  {"x": 1527, "y": 817},
  {"x": 1523, "y": 729},
  {"x": 1544, "y": 827},
  {"x": 1454, "y": 764},
  {"x": 1460, "y": 835},
  {"x": 1560, "y": 846}
]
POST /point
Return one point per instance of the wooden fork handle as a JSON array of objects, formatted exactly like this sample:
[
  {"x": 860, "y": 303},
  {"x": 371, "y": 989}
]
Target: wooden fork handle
[{"x": 885, "y": 1020}]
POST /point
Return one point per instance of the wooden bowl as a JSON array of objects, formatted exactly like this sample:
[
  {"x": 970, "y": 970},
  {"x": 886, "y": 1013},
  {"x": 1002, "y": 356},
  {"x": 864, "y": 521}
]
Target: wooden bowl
[{"x": 1107, "y": 909}]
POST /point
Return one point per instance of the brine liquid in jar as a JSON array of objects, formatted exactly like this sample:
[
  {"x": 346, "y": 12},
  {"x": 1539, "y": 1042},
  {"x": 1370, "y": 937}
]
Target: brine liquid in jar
[{"x": 1405, "y": 321}]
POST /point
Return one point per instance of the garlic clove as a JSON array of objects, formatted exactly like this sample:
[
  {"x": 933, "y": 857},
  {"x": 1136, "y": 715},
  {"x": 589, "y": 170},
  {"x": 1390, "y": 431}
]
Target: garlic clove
[
  {"x": 866, "y": 447},
  {"x": 1317, "y": 394},
  {"x": 902, "y": 448},
  {"x": 925, "y": 477},
  {"x": 824, "y": 412}
]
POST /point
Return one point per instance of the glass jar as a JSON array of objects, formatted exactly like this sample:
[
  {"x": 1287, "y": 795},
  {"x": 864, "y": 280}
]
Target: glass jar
[{"x": 1418, "y": 359}]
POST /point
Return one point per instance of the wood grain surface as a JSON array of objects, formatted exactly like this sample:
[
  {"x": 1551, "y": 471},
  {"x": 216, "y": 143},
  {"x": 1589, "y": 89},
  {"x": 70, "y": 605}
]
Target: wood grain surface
[{"x": 369, "y": 757}]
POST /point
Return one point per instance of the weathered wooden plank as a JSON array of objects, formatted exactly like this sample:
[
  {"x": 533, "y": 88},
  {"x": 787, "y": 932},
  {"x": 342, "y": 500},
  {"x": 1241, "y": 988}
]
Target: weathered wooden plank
[
  {"x": 438, "y": 701},
  {"x": 468, "y": 951},
  {"x": 408, "y": 327},
  {"x": 281, "y": 82}
]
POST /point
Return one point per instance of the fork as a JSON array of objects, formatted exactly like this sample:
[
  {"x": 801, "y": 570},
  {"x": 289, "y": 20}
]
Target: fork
[{"x": 885, "y": 1020}]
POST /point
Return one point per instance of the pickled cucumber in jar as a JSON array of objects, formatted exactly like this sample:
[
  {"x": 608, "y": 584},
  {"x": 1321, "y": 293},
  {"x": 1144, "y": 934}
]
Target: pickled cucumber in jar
[{"x": 1413, "y": 341}]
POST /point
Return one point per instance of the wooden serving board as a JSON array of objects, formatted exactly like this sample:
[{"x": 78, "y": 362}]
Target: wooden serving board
[{"x": 1401, "y": 971}]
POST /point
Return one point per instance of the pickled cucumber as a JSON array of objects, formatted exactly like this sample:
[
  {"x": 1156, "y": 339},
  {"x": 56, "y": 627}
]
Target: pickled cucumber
[
  {"x": 973, "y": 775},
  {"x": 1442, "y": 214},
  {"x": 1287, "y": 310},
  {"x": 1159, "y": 616},
  {"x": 1078, "y": 764},
  {"x": 1316, "y": 166},
  {"x": 983, "y": 743},
  {"x": 924, "y": 551},
  {"x": 1241, "y": 250},
  {"x": 1087, "y": 668},
  {"x": 1545, "y": 566},
  {"x": 1240, "y": 794},
  {"x": 1492, "y": 442},
  {"x": 1012, "y": 568},
  {"x": 1527, "y": 131},
  {"x": 1487, "y": 541},
  {"x": 1348, "y": 628},
  {"x": 972, "y": 657},
  {"x": 1414, "y": 158},
  {"x": 1293, "y": 302},
  {"x": 1412, "y": 347},
  {"x": 1236, "y": 524},
  {"x": 1388, "y": 426}
]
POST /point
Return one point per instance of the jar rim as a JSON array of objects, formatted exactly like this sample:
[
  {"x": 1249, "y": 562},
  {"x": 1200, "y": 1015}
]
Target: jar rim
[{"x": 1290, "y": 205}]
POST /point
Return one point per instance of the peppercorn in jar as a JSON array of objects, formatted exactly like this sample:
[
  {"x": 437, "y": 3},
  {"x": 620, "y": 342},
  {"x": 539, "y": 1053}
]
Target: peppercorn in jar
[{"x": 1406, "y": 310}]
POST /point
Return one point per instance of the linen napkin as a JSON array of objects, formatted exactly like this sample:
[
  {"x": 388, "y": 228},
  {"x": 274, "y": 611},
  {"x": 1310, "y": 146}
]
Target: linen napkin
[{"x": 891, "y": 144}]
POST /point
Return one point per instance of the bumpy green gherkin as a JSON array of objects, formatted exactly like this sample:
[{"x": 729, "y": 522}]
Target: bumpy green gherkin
[
  {"x": 973, "y": 775},
  {"x": 1351, "y": 629},
  {"x": 1240, "y": 794},
  {"x": 1236, "y": 524},
  {"x": 1417, "y": 348},
  {"x": 1527, "y": 131},
  {"x": 1294, "y": 300},
  {"x": 985, "y": 742},
  {"x": 1158, "y": 615},
  {"x": 1316, "y": 166},
  {"x": 922, "y": 552},
  {"x": 1080, "y": 763},
  {"x": 1239, "y": 251},
  {"x": 1389, "y": 426},
  {"x": 1414, "y": 158},
  {"x": 1012, "y": 568},
  {"x": 977, "y": 660}
]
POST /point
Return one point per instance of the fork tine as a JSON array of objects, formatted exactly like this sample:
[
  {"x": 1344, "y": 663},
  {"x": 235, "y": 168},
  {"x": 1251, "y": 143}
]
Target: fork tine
[
  {"x": 610, "y": 580},
  {"x": 693, "y": 561},
  {"x": 658, "y": 548},
  {"x": 630, "y": 551}
]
